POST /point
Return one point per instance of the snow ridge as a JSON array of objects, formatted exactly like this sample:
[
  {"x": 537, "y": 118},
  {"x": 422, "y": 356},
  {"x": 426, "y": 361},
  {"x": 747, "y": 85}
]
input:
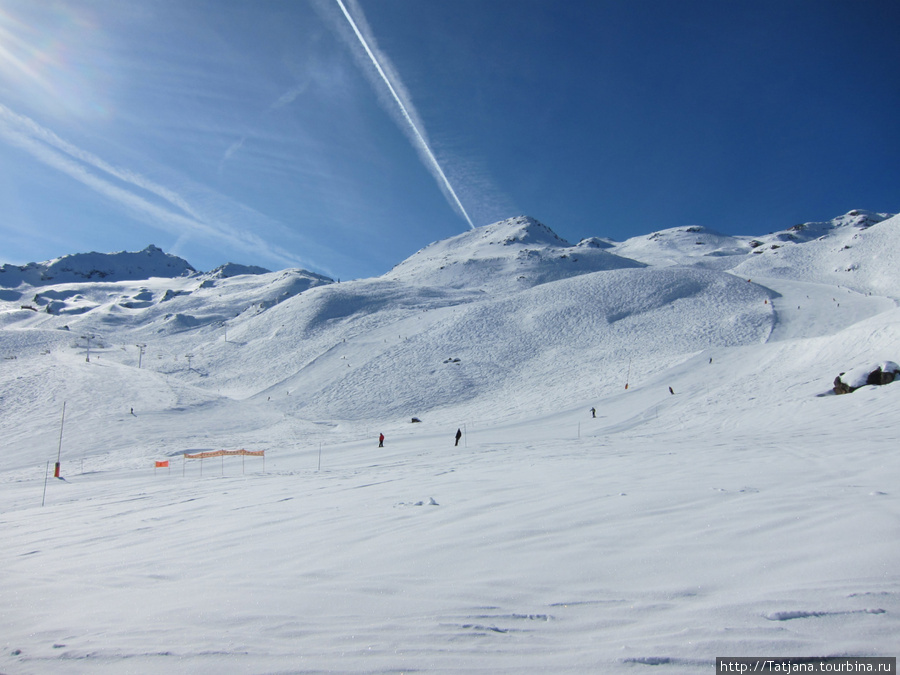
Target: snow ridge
[
  {"x": 81, "y": 267},
  {"x": 504, "y": 257}
]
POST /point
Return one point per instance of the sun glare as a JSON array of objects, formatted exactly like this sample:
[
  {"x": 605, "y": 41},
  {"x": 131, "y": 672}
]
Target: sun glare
[
  {"x": 50, "y": 60},
  {"x": 20, "y": 60}
]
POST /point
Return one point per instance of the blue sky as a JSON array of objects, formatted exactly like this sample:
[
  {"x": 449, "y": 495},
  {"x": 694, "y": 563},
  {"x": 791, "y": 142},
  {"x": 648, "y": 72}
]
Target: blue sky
[{"x": 262, "y": 132}]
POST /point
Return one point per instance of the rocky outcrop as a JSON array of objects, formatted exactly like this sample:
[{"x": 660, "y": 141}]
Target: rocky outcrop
[{"x": 883, "y": 373}]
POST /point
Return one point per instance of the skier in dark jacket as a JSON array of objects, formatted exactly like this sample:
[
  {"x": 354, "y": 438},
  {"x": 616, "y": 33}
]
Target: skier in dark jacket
[{"x": 458, "y": 436}]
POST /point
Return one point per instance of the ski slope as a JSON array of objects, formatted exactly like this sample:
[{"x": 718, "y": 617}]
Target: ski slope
[{"x": 749, "y": 513}]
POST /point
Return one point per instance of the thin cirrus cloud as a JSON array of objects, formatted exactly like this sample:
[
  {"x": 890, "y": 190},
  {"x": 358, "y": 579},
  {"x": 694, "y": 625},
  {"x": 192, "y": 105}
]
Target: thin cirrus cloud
[
  {"x": 285, "y": 99},
  {"x": 230, "y": 152},
  {"x": 154, "y": 203},
  {"x": 289, "y": 96}
]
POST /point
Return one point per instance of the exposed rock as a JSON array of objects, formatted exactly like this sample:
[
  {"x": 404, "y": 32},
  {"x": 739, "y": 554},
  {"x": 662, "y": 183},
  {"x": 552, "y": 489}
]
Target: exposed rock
[{"x": 883, "y": 373}]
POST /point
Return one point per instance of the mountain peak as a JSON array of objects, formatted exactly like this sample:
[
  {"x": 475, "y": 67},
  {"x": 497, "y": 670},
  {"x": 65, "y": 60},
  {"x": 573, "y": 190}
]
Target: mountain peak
[
  {"x": 234, "y": 269},
  {"x": 93, "y": 266},
  {"x": 518, "y": 252},
  {"x": 519, "y": 230}
]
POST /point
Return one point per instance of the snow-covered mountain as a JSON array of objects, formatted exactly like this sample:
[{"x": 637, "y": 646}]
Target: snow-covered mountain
[
  {"x": 235, "y": 269},
  {"x": 701, "y": 246},
  {"x": 510, "y": 302},
  {"x": 721, "y": 501},
  {"x": 509, "y": 255},
  {"x": 81, "y": 267}
]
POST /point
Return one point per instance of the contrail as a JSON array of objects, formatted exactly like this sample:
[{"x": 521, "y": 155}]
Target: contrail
[{"x": 421, "y": 140}]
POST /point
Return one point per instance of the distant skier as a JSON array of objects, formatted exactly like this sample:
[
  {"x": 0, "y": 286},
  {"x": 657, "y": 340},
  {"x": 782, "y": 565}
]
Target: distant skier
[
  {"x": 671, "y": 392},
  {"x": 593, "y": 412},
  {"x": 380, "y": 440},
  {"x": 458, "y": 436}
]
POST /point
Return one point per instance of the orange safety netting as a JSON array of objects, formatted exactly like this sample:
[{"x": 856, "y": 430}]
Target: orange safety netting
[{"x": 223, "y": 453}]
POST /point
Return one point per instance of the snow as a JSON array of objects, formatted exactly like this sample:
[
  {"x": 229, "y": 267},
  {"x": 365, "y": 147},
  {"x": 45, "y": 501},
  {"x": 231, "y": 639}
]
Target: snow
[
  {"x": 509, "y": 255},
  {"x": 151, "y": 262},
  {"x": 748, "y": 513},
  {"x": 235, "y": 269}
]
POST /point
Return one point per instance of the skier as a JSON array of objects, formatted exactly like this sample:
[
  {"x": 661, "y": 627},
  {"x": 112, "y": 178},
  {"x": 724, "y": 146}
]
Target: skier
[
  {"x": 458, "y": 436},
  {"x": 380, "y": 440},
  {"x": 671, "y": 391},
  {"x": 593, "y": 412}
]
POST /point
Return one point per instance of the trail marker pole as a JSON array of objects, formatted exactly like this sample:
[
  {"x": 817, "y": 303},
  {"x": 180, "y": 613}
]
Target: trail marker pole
[
  {"x": 59, "y": 450},
  {"x": 319, "y": 467},
  {"x": 46, "y": 474}
]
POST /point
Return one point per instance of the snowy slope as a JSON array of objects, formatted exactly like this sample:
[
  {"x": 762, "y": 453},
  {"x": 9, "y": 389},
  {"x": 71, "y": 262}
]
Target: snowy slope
[
  {"x": 497, "y": 351},
  {"x": 857, "y": 255},
  {"x": 694, "y": 245},
  {"x": 724, "y": 503},
  {"x": 461, "y": 322},
  {"x": 703, "y": 247}
]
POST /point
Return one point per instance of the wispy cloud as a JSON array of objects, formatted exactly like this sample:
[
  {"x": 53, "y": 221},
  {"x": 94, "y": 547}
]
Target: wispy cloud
[
  {"x": 229, "y": 153},
  {"x": 155, "y": 204},
  {"x": 289, "y": 96},
  {"x": 282, "y": 101}
]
